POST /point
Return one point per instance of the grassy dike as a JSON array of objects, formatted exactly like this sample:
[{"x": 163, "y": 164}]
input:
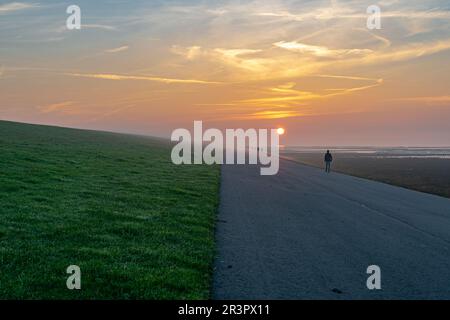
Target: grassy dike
[{"x": 138, "y": 226}]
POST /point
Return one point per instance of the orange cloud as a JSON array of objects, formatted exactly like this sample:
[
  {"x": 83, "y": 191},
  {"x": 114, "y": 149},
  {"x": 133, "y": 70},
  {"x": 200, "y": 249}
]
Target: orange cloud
[{"x": 116, "y": 77}]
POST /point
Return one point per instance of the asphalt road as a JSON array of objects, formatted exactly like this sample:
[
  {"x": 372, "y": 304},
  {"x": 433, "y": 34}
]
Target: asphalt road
[{"x": 305, "y": 234}]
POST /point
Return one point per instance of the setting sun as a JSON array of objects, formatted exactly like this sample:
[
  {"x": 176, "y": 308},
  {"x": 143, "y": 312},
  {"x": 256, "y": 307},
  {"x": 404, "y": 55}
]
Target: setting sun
[{"x": 281, "y": 131}]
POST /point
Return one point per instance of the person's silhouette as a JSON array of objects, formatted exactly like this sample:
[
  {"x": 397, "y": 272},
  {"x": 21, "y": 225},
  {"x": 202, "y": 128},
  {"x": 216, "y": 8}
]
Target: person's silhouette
[{"x": 328, "y": 160}]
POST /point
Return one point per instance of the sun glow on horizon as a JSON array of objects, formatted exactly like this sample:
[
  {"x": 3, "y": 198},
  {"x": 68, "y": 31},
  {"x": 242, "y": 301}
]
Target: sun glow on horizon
[{"x": 281, "y": 131}]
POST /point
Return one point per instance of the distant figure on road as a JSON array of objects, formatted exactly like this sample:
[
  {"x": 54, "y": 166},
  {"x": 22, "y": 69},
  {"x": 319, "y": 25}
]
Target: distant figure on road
[{"x": 328, "y": 160}]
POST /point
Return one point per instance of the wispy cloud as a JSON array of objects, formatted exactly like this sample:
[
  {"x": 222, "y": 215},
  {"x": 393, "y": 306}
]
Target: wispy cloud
[
  {"x": 190, "y": 53},
  {"x": 330, "y": 13},
  {"x": 428, "y": 14},
  {"x": 55, "y": 107},
  {"x": 98, "y": 26},
  {"x": 63, "y": 28},
  {"x": 298, "y": 59},
  {"x": 320, "y": 51},
  {"x": 347, "y": 77},
  {"x": 116, "y": 50},
  {"x": 432, "y": 100},
  {"x": 271, "y": 114},
  {"x": 241, "y": 58},
  {"x": 407, "y": 52},
  {"x": 286, "y": 95},
  {"x": 16, "y": 6},
  {"x": 117, "y": 77}
]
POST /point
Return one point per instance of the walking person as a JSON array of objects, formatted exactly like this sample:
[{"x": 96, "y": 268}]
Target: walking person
[{"x": 328, "y": 160}]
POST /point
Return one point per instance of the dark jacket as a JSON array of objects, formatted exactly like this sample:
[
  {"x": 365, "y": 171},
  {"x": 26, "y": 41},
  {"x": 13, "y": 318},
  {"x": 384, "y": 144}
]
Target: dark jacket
[{"x": 328, "y": 157}]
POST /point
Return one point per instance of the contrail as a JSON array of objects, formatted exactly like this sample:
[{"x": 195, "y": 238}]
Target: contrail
[{"x": 107, "y": 76}]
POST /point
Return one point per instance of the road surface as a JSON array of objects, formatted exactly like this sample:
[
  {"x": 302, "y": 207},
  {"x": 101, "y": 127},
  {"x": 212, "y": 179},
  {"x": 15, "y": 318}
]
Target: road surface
[{"x": 305, "y": 234}]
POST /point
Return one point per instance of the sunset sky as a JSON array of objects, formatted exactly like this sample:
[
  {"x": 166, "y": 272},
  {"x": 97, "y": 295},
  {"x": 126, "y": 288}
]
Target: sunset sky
[{"x": 311, "y": 67}]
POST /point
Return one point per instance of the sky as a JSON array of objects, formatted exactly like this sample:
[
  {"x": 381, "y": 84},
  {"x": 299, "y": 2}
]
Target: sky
[{"x": 312, "y": 67}]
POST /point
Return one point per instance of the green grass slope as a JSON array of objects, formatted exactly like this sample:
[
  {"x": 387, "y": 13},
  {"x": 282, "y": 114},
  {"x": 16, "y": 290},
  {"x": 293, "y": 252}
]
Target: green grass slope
[{"x": 138, "y": 226}]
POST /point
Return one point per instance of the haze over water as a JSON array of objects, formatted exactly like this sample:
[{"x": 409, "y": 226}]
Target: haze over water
[{"x": 378, "y": 152}]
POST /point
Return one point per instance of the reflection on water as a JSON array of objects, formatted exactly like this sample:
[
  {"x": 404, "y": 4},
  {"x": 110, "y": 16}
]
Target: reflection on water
[{"x": 397, "y": 152}]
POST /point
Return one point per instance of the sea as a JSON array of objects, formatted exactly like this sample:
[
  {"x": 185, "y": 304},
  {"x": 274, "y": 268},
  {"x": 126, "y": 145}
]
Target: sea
[{"x": 377, "y": 152}]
